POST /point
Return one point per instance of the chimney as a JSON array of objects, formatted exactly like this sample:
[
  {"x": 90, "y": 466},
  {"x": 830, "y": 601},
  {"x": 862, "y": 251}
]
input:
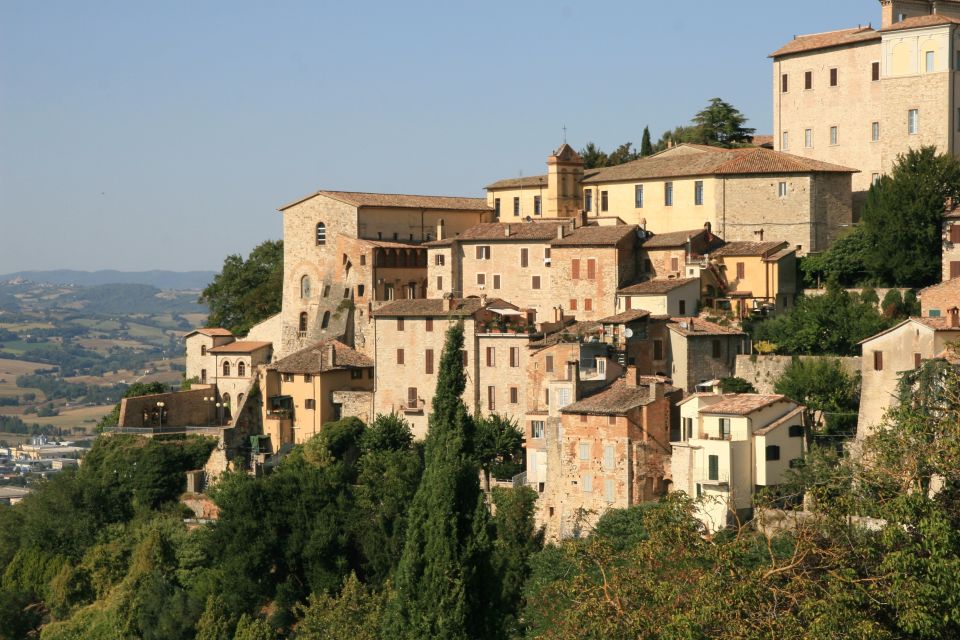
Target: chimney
[
  {"x": 331, "y": 354},
  {"x": 448, "y": 303},
  {"x": 561, "y": 231},
  {"x": 506, "y": 230},
  {"x": 440, "y": 232},
  {"x": 954, "y": 314},
  {"x": 483, "y": 300},
  {"x": 583, "y": 219},
  {"x": 656, "y": 390},
  {"x": 573, "y": 370},
  {"x": 690, "y": 324},
  {"x": 632, "y": 375}
]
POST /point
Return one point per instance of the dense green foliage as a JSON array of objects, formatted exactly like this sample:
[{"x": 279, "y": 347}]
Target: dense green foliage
[
  {"x": 246, "y": 291},
  {"x": 646, "y": 146},
  {"x": 736, "y": 385},
  {"x": 831, "y": 395}
]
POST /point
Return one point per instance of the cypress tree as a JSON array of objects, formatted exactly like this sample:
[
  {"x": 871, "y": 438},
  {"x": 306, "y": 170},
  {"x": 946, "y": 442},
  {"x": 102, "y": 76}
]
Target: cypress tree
[
  {"x": 443, "y": 583},
  {"x": 646, "y": 147}
]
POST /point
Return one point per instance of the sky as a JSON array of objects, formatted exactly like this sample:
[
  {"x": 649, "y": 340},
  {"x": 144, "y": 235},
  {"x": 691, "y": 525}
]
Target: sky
[{"x": 165, "y": 135}]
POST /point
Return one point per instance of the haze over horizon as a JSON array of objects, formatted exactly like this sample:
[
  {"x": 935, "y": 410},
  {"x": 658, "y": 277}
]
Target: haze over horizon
[{"x": 138, "y": 137}]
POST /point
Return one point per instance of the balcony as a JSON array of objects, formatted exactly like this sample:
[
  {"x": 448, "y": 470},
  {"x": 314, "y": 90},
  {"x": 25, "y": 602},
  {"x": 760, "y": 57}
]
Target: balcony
[
  {"x": 414, "y": 407},
  {"x": 720, "y": 478}
]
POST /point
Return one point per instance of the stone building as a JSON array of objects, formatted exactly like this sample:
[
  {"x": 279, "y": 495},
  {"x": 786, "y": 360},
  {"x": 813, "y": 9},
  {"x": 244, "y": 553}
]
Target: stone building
[
  {"x": 754, "y": 275},
  {"x": 951, "y": 244},
  {"x": 201, "y": 364},
  {"x": 345, "y": 253},
  {"x": 668, "y": 297},
  {"x": 666, "y": 255},
  {"x": 729, "y": 446},
  {"x": 235, "y": 367},
  {"x": 699, "y": 351},
  {"x": 937, "y": 299},
  {"x": 859, "y": 97},
  {"x": 300, "y": 391}
]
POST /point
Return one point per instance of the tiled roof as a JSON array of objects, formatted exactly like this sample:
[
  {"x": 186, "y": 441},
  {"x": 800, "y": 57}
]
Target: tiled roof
[
  {"x": 655, "y": 287},
  {"x": 526, "y": 181},
  {"x": 946, "y": 284},
  {"x": 952, "y": 212},
  {"x": 917, "y": 22},
  {"x": 937, "y": 324},
  {"x": 748, "y": 248},
  {"x": 314, "y": 359},
  {"x": 740, "y": 404},
  {"x": 596, "y": 236},
  {"x": 438, "y": 307},
  {"x": 390, "y": 244},
  {"x": 399, "y": 200},
  {"x": 211, "y": 332},
  {"x": 700, "y": 327},
  {"x": 240, "y": 347},
  {"x": 762, "y": 141},
  {"x": 497, "y": 231},
  {"x": 625, "y": 317},
  {"x": 826, "y": 40},
  {"x": 671, "y": 239},
  {"x": 780, "y": 421},
  {"x": 568, "y": 334},
  {"x": 617, "y": 399}
]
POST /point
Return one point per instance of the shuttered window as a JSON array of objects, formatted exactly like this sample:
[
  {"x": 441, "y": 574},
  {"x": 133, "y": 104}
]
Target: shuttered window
[
  {"x": 591, "y": 268},
  {"x": 399, "y": 356},
  {"x": 514, "y": 356},
  {"x": 523, "y": 257},
  {"x": 491, "y": 356},
  {"x": 713, "y": 467},
  {"x": 575, "y": 269},
  {"x": 428, "y": 360}
]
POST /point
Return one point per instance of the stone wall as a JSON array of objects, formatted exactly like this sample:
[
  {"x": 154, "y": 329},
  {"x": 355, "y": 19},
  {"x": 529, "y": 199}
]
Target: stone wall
[
  {"x": 764, "y": 371},
  {"x": 181, "y": 409},
  {"x": 358, "y": 404}
]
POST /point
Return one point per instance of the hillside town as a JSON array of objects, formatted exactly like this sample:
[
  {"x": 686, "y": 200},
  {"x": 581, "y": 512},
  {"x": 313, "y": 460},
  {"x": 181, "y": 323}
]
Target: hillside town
[{"x": 601, "y": 307}]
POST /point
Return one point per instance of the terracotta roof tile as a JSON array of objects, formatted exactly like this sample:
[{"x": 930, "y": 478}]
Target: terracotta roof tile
[
  {"x": 946, "y": 284},
  {"x": 759, "y": 249},
  {"x": 497, "y": 231},
  {"x": 315, "y": 359},
  {"x": 762, "y": 141},
  {"x": 240, "y": 347},
  {"x": 815, "y": 41},
  {"x": 625, "y": 317},
  {"x": 617, "y": 399},
  {"x": 438, "y": 307},
  {"x": 569, "y": 333},
  {"x": 937, "y": 324},
  {"x": 917, "y": 22},
  {"x": 741, "y": 404},
  {"x": 211, "y": 332},
  {"x": 780, "y": 421},
  {"x": 657, "y": 286},
  {"x": 399, "y": 200},
  {"x": 672, "y": 239},
  {"x": 596, "y": 236},
  {"x": 514, "y": 183},
  {"x": 699, "y": 327}
]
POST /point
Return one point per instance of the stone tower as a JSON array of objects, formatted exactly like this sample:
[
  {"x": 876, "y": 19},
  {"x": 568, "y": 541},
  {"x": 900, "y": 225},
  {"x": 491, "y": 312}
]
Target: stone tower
[{"x": 564, "y": 173}]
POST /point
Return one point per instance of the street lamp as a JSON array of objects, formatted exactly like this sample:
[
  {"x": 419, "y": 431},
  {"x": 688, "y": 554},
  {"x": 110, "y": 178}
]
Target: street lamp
[
  {"x": 209, "y": 400},
  {"x": 160, "y": 407}
]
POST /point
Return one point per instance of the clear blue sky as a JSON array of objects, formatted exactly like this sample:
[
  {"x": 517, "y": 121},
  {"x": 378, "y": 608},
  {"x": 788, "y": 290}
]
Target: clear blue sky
[{"x": 164, "y": 135}]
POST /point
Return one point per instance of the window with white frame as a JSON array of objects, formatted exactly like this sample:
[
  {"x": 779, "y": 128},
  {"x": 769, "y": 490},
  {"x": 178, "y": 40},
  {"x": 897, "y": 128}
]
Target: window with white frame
[
  {"x": 584, "y": 450},
  {"x": 913, "y": 121},
  {"x": 782, "y": 189},
  {"x": 609, "y": 494},
  {"x": 563, "y": 398},
  {"x": 638, "y": 196},
  {"x": 875, "y": 132},
  {"x": 588, "y": 483},
  {"x": 834, "y": 135},
  {"x": 608, "y": 456},
  {"x": 536, "y": 429},
  {"x": 698, "y": 192},
  {"x": 808, "y": 138}
]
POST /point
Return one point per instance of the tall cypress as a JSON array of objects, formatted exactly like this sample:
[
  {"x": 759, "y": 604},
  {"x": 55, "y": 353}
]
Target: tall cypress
[
  {"x": 443, "y": 586},
  {"x": 646, "y": 147}
]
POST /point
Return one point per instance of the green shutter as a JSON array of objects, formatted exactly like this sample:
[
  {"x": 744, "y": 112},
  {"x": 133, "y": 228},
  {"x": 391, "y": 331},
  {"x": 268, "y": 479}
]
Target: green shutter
[{"x": 713, "y": 467}]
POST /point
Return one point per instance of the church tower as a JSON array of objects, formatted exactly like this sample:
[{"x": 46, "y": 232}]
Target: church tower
[{"x": 564, "y": 173}]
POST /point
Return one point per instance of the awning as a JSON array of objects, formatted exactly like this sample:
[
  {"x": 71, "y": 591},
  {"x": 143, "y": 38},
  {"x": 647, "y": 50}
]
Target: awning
[{"x": 506, "y": 312}]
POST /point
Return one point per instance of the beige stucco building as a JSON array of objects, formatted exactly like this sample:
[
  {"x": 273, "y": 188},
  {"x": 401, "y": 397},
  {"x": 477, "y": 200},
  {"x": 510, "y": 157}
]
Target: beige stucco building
[
  {"x": 859, "y": 97},
  {"x": 731, "y": 445},
  {"x": 201, "y": 364}
]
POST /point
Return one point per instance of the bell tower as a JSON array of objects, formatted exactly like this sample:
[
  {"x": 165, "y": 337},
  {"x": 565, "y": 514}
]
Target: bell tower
[{"x": 564, "y": 173}]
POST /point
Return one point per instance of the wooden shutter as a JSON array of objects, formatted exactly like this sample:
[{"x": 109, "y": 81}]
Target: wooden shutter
[
  {"x": 588, "y": 304},
  {"x": 514, "y": 356},
  {"x": 878, "y": 360},
  {"x": 674, "y": 264},
  {"x": 955, "y": 233},
  {"x": 523, "y": 257},
  {"x": 496, "y": 281},
  {"x": 492, "y": 398},
  {"x": 954, "y": 269},
  {"x": 429, "y": 324},
  {"x": 549, "y": 364},
  {"x": 411, "y": 397},
  {"x": 741, "y": 271},
  {"x": 591, "y": 268},
  {"x": 575, "y": 268},
  {"x": 713, "y": 467},
  {"x": 536, "y": 282},
  {"x": 428, "y": 357},
  {"x": 514, "y": 395},
  {"x": 491, "y": 357},
  {"x": 917, "y": 360},
  {"x": 399, "y": 324},
  {"x": 628, "y": 304},
  {"x": 399, "y": 356}
]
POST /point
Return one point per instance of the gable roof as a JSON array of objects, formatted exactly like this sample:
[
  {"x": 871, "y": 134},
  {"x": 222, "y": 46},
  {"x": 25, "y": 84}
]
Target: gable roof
[
  {"x": 953, "y": 283},
  {"x": 617, "y": 399},
  {"x": 826, "y": 40},
  {"x": 713, "y": 161},
  {"x": 523, "y": 181},
  {"x": 673, "y": 239},
  {"x": 593, "y": 236},
  {"x": 935, "y": 324},
  {"x": 428, "y": 307},
  {"x": 657, "y": 286},
  {"x": 917, "y": 22},
  {"x": 497, "y": 231},
  {"x": 399, "y": 201},
  {"x": 625, "y": 317},
  {"x": 759, "y": 249},
  {"x": 211, "y": 332},
  {"x": 242, "y": 346},
  {"x": 741, "y": 404},
  {"x": 698, "y": 327},
  {"x": 315, "y": 359},
  {"x": 779, "y": 422}
]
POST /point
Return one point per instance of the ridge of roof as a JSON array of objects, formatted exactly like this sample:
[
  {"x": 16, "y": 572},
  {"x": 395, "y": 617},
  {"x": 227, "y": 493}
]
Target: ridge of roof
[
  {"x": 398, "y": 200},
  {"x": 826, "y": 40},
  {"x": 315, "y": 359},
  {"x": 917, "y": 22}
]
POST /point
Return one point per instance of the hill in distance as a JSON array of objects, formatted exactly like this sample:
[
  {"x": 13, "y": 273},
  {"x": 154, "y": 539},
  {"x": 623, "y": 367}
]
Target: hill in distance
[{"x": 167, "y": 280}]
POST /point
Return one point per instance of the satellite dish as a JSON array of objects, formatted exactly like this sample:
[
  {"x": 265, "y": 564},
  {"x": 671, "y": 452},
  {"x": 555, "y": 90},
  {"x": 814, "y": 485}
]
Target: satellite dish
[
  {"x": 684, "y": 325},
  {"x": 628, "y": 332}
]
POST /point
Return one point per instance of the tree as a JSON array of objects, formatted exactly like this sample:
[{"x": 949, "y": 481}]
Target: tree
[
  {"x": 892, "y": 305},
  {"x": 443, "y": 583},
  {"x": 844, "y": 262},
  {"x": 623, "y": 153},
  {"x": 721, "y": 124},
  {"x": 736, "y": 385},
  {"x": 253, "y": 629},
  {"x": 516, "y": 541},
  {"x": 831, "y": 395},
  {"x": 499, "y": 446},
  {"x": 903, "y": 215},
  {"x": 246, "y": 291},
  {"x": 356, "y": 614},
  {"x": 646, "y": 147},
  {"x": 593, "y": 157}
]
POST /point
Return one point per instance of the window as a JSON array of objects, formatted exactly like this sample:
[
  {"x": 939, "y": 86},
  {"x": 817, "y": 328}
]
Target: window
[
  {"x": 360, "y": 290},
  {"x": 913, "y": 121},
  {"x": 399, "y": 356},
  {"x": 715, "y": 348},
  {"x": 466, "y": 359},
  {"x": 309, "y": 403},
  {"x": 492, "y": 398},
  {"x": 548, "y": 364},
  {"x": 226, "y": 369},
  {"x": 588, "y": 304},
  {"x": 536, "y": 205},
  {"x": 773, "y": 452},
  {"x": 496, "y": 206},
  {"x": 575, "y": 268},
  {"x": 608, "y": 490},
  {"x": 428, "y": 361},
  {"x": 481, "y": 279},
  {"x": 584, "y": 450},
  {"x": 955, "y": 233},
  {"x": 491, "y": 357},
  {"x": 786, "y": 141},
  {"x": 496, "y": 281},
  {"x": 524, "y": 257},
  {"x": 929, "y": 61},
  {"x": 429, "y": 324},
  {"x": 808, "y": 138},
  {"x": 591, "y": 268},
  {"x": 588, "y": 200},
  {"x": 683, "y": 307},
  {"x": 658, "y": 349},
  {"x": 399, "y": 324},
  {"x": 203, "y": 376},
  {"x": 326, "y": 290},
  {"x": 516, "y": 206},
  {"x": 808, "y": 80},
  {"x": 483, "y": 252},
  {"x": 514, "y": 356},
  {"x": 713, "y": 467},
  {"x": 917, "y": 360},
  {"x": 834, "y": 136},
  {"x": 782, "y": 189},
  {"x": 875, "y": 178},
  {"x": 439, "y": 283},
  {"x": 287, "y": 377},
  {"x": 546, "y": 256},
  {"x": 608, "y": 456},
  {"x": 573, "y": 304},
  {"x": 698, "y": 192},
  {"x": 305, "y": 287},
  {"x": 687, "y": 428},
  {"x": 875, "y": 132},
  {"x": 638, "y": 196},
  {"x": 604, "y": 201},
  {"x": 741, "y": 270},
  {"x": 724, "y": 427},
  {"x": 796, "y": 431},
  {"x": 303, "y": 322},
  {"x": 833, "y": 77},
  {"x": 439, "y": 259},
  {"x": 588, "y": 484},
  {"x": 514, "y": 395},
  {"x": 242, "y": 369},
  {"x": 668, "y": 194},
  {"x": 363, "y": 258},
  {"x": 784, "y": 83},
  {"x": 674, "y": 264},
  {"x": 875, "y": 71},
  {"x": 356, "y": 374},
  {"x": 321, "y": 233},
  {"x": 878, "y": 360},
  {"x": 203, "y": 349},
  {"x": 536, "y": 429},
  {"x": 535, "y": 282},
  {"x": 412, "y": 399},
  {"x": 954, "y": 269},
  {"x": 563, "y": 398},
  {"x": 546, "y": 397}
]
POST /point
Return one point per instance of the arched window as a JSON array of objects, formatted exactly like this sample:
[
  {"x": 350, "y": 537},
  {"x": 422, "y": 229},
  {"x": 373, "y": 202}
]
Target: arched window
[
  {"x": 326, "y": 320},
  {"x": 305, "y": 287},
  {"x": 303, "y": 322},
  {"x": 321, "y": 233},
  {"x": 226, "y": 369},
  {"x": 242, "y": 369},
  {"x": 203, "y": 349},
  {"x": 240, "y": 400},
  {"x": 226, "y": 407}
]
